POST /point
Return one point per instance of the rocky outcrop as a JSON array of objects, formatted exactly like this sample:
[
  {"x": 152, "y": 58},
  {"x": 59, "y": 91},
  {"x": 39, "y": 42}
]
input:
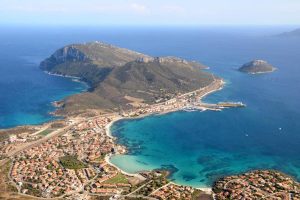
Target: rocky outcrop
[
  {"x": 256, "y": 67},
  {"x": 65, "y": 54},
  {"x": 171, "y": 59}
]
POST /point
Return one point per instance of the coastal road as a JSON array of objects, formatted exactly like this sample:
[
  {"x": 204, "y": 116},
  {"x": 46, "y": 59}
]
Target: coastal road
[
  {"x": 139, "y": 188},
  {"x": 37, "y": 142},
  {"x": 57, "y": 132}
]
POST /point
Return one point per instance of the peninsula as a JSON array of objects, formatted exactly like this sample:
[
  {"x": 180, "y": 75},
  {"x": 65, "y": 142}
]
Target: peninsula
[
  {"x": 257, "y": 67},
  {"x": 121, "y": 78}
]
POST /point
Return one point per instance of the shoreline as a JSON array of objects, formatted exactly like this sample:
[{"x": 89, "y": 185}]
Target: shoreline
[
  {"x": 73, "y": 79},
  {"x": 107, "y": 158},
  {"x": 207, "y": 190},
  {"x": 61, "y": 75},
  {"x": 212, "y": 91},
  {"x": 255, "y": 73},
  {"x": 55, "y": 108}
]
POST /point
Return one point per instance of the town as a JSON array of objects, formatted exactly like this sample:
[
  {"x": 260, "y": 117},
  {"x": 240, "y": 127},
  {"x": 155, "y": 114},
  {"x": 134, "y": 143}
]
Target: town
[
  {"x": 70, "y": 158},
  {"x": 74, "y": 164}
]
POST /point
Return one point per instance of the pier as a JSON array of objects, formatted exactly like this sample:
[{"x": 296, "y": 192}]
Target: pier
[
  {"x": 216, "y": 107},
  {"x": 230, "y": 104}
]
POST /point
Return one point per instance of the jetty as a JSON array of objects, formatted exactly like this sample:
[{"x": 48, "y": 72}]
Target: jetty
[
  {"x": 230, "y": 104},
  {"x": 216, "y": 107}
]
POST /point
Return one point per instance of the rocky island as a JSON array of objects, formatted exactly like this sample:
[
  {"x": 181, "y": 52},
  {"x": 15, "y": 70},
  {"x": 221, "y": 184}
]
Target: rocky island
[{"x": 257, "y": 67}]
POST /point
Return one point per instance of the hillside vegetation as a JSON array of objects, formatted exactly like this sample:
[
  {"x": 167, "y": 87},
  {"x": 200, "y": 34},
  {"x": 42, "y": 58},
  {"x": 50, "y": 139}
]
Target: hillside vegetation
[{"x": 115, "y": 73}]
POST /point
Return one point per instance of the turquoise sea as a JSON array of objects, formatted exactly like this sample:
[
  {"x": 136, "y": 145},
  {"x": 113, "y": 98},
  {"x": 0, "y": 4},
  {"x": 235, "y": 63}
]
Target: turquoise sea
[{"x": 197, "y": 147}]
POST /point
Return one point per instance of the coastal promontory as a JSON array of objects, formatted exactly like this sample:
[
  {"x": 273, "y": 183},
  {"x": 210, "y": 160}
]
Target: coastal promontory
[
  {"x": 293, "y": 33},
  {"x": 121, "y": 78},
  {"x": 257, "y": 67}
]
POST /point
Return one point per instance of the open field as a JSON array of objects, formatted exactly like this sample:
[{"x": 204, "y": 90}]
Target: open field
[{"x": 71, "y": 162}]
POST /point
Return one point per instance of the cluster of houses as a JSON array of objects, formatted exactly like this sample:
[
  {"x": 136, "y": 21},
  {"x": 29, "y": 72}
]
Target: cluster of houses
[
  {"x": 260, "y": 184},
  {"x": 14, "y": 140},
  {"x": 185, "y": 101},
  {"x": 45, "y": 176},
  {"x": 175, "y": 192},
  {"x": 39, "y": 168},
  {"x": 100, "y": 186}
]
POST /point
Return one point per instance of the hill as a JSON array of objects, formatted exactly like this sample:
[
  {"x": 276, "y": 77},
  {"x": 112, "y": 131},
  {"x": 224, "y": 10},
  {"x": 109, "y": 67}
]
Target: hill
[
  {"x": 256, "y": 67},
  {"x": 90, "y": 61},
  {"x": 294, "y": 33},
  {"x": 119, "y": 77}
]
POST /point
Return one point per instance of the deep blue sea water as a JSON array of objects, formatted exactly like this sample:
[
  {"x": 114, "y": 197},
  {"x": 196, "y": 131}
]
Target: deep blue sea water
[
  {"x": 26, "y": 92},
  {"x": 197, "y": 146}
]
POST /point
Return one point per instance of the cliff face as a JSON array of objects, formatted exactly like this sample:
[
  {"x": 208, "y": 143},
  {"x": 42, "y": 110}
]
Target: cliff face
[
  {"x": 90, "y": 61},
  {"x": 65, "y": 54},
  {"x": 257, "y": 66},
  {"x": 116, "y": 73}
]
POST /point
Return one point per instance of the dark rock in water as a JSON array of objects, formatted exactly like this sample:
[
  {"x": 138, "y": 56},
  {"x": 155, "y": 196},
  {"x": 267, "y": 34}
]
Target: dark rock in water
[
  {"x": 188, "y": 177},
  {"x": 58, "y": 104},
  {"x": 257, "y": 67},
  {"x": 170, "y": 168},
  {"x": 205, "y": 159}
]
